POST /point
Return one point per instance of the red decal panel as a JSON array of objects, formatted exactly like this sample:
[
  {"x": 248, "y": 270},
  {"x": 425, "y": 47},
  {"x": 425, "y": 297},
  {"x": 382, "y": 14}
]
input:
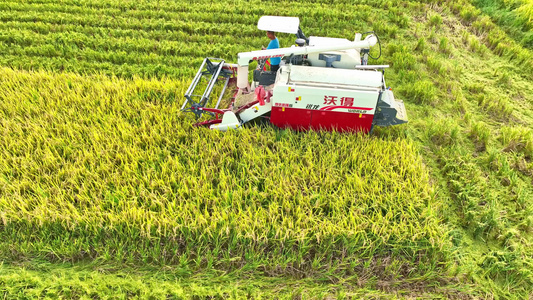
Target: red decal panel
[
  {"x": 304, "y": 119},
  {"x": 294, "y": 118}
]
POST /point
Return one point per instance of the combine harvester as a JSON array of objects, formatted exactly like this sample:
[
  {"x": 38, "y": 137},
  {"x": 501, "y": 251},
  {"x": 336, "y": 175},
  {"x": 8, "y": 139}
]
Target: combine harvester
[{"x": 322, "y": 83}]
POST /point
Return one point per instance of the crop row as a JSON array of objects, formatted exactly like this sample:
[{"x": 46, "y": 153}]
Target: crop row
[
  {"x": 109, "y": 39},
  {"x": 201, "y": 13},
  {"x": 27, "y": 33},
  {"x": 126, "y": 23},
  {"x": 204, "y": 14},
  {"x": 49, "y": 56},
  {"x": 72, "y": 45},
  {"x": 317, "y": 26},
  {"x": 32, "y": 33},
  {"x": 315, "y": 17},
  {"x": 143, "y": 69},
  {"x": 216, "y": 8}
]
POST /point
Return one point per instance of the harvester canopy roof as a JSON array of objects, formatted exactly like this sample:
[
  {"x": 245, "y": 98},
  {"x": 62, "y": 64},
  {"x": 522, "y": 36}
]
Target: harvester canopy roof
[
  {"x": 279, "y": 24},
  {"x": 336, "y": 76}
]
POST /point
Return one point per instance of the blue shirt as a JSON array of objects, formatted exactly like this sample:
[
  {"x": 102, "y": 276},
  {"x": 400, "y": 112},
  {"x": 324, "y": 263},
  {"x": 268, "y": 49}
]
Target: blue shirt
[{"x": 274, "y": 44}]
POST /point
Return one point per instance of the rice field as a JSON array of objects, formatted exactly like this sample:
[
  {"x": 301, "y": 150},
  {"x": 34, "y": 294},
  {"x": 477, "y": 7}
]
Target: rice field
[
  {"x": 103, "y": 178},
  {"x": 96, "y": 157}
]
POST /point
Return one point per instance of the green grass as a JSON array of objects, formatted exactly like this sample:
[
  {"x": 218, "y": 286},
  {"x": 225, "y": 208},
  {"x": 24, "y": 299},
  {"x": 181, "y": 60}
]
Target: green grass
[{"x": 100, "y": 171}]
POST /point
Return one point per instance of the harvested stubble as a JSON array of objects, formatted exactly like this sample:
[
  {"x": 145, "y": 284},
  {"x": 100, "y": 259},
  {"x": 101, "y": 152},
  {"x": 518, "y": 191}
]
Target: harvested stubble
[{"x": 109, "y": 169}]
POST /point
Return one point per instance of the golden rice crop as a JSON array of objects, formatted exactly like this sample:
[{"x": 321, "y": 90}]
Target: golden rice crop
[{"x": 109, "y": 168}]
